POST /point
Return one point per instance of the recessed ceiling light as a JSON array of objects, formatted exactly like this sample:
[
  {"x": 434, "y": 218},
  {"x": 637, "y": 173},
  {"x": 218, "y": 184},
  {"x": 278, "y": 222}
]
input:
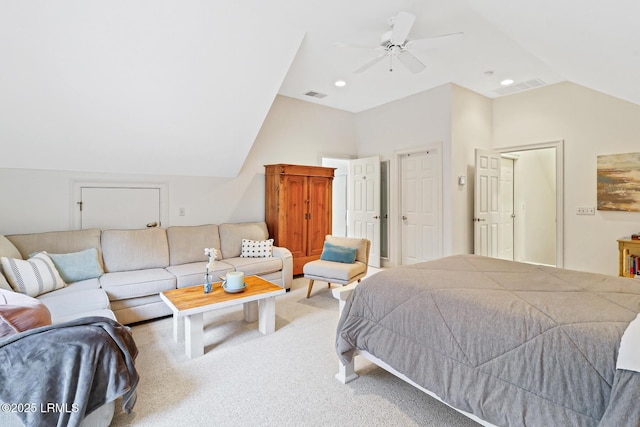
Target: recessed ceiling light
[
  {"x": 506, "y": 82},
  {"x": 340, "y": 83}
]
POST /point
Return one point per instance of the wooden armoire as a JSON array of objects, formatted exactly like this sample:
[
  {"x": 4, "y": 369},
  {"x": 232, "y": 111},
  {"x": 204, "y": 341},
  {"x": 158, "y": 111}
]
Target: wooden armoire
[{"x": 298, "y": 209}]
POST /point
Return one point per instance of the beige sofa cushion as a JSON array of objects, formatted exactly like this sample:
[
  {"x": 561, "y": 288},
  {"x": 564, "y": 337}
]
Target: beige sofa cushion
[
  {"x": 231, "y": 236},
  {"x": 193, "y": 274},
  {"x": 3, "y": 282},
  {"x": 7, "y": 250},
  {"x": 57, "y": 242},
  {"x": 256, "y": 266},
  {"x": 127, "y": 250},
  {"x": 137, "y": 283},
  {"x": 187, "y": 243},
  {"x": 75, "y": 304}
]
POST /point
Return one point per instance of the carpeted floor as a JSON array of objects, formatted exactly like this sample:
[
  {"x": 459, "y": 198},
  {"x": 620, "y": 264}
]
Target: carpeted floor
[{"x": 282, "y": 379}]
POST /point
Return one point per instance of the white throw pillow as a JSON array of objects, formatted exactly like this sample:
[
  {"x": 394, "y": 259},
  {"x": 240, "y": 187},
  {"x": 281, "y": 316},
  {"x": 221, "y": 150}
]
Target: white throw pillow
[
  {"x": 33, "y": 277},
  {"x": 256, "y": 248}
]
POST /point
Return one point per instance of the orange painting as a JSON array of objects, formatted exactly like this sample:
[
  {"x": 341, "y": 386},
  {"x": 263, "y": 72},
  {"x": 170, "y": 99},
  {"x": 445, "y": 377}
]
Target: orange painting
[{"x": 619, "y": 182}]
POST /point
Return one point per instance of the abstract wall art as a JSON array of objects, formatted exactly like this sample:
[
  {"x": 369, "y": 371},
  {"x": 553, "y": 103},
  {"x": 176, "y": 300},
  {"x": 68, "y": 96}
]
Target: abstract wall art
[{"x": 619, "y": 182}]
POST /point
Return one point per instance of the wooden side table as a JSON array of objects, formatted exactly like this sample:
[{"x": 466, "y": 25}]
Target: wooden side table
[{"x": 626, "y": 248}]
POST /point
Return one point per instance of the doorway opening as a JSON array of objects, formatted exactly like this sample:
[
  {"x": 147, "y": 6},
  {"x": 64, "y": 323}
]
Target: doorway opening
[
  {"x": 340, "y": 204},
  {"x": 520, "y": 216}
]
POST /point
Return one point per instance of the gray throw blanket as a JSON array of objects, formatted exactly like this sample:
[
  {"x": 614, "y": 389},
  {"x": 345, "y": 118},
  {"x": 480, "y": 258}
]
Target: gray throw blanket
[{"x": 58, "y": 374}]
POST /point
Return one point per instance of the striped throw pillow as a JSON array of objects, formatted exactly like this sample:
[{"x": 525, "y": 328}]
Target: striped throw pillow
[{"x": 33, "y": 277}]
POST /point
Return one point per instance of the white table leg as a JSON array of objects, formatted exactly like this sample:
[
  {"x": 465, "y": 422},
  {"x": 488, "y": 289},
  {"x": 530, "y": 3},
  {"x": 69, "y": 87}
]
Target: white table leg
[
  {"x": 267, "y": 315},
  {"x": 178, "y": 328},
  {"x": 194, "y": 344},
  {"x": 250, "y": 311}
]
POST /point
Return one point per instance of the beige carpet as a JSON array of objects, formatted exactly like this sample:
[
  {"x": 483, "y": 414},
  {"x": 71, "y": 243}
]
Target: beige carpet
[{"x": 282, "y": 379}]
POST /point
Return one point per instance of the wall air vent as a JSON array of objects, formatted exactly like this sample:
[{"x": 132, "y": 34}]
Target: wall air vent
[
  {"x": 315, "y": 94},
  {"x": 519, "y": 87}
]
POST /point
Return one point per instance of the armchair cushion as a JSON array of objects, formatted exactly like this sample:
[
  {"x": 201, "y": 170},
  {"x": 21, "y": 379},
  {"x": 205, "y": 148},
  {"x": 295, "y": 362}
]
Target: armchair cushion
[
  {"x": 337, "y": 253},
  {"x": 334, "y": 272}
]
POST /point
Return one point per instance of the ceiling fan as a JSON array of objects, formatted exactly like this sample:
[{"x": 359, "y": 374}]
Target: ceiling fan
[{"x": 395, "y": 44}]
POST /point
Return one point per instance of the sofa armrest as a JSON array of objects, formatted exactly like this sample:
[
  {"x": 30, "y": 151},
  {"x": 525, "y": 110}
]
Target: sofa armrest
[{"x": 287, "y": 265}]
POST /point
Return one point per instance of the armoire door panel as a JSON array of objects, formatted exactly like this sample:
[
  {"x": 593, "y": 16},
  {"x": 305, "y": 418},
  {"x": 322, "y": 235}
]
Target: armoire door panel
[
  {"x": 295, "y": 226},
  {"x": 319, "y": 214}
]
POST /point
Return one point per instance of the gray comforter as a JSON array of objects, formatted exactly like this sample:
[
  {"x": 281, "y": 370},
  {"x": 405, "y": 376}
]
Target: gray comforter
[
  {"x": 55, "y": 375},
  {"x": 514, "y": 344}
]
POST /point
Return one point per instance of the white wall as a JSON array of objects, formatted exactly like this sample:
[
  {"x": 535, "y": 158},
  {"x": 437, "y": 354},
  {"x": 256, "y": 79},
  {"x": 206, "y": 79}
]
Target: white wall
[
  {"x": 416, "y": 122},
  {"x": 471, "y": 128},
  {"x": 590, "y": 123},
  {"x": 294, "y": 132}
]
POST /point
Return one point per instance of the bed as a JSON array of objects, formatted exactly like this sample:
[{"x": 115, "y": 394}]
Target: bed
[{"x": 506, "y": 343}]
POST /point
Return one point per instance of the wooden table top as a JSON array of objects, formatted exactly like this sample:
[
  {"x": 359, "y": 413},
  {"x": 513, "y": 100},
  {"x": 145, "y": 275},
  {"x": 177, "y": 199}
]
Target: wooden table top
[{"x": 193, "y": 297}]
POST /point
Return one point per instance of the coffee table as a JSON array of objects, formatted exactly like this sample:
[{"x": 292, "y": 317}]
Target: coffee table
[{"x": 189, "y": 304}]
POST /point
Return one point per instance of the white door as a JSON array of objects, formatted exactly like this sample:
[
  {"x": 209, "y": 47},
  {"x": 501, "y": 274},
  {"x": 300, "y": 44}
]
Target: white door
[
  {"x": 507, "y": 211},
  {"x": 364, "y": 203},
  {"x": 119, "y": 207},
  {"x": 421, "y": 207},
  {"x": 486, "y": 215}
]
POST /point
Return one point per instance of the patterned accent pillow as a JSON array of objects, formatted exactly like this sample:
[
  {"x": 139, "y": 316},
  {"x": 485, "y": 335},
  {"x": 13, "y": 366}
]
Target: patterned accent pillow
[
  {"x": 33, "y": 277},
  {"x": 256, "y": 248}
]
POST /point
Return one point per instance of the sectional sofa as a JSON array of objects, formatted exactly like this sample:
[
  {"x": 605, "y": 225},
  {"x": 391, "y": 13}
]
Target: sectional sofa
[
  {"x": 128, "y": 269},
  {"x": 136, "y": 265}
]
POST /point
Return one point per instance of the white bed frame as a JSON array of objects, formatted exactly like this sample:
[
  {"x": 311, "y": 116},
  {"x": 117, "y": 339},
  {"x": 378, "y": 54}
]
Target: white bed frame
[{"x": 347, "y": 373}]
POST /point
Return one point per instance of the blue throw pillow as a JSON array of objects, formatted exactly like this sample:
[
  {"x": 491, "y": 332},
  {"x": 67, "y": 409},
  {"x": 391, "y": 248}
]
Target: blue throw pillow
[
  {"x": 337, "y": 253},
  {"x": 78, "y": 266}
]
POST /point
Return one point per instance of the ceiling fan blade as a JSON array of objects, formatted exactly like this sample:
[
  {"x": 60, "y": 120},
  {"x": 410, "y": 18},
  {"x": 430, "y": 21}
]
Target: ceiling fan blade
[
  {"x": 434, "y": 42},
  {"x": 342, "y": 45},
  {"x": 401, "y": 27},
  {"x": 371, "y": 63},
  {"x": 411, "y": 62}
]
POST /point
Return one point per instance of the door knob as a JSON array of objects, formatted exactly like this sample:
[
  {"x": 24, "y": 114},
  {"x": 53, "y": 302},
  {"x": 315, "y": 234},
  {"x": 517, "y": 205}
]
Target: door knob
[
  {"x": 376, "y": 217},
  {"x": 404, "y": 218}
]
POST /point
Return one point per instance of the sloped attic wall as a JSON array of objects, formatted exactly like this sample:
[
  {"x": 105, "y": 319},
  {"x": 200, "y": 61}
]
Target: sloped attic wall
[{"x": 161, "y": 87}]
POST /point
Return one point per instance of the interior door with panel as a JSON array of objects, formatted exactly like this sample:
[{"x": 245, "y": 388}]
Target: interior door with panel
[
  {"x": 506, "y": 232},
  {"x": 119, "y": 207},
  {"x": 364, "y": 203},
  {"x": 421, "y": 207},
  {"x": 486, "y": 216}
]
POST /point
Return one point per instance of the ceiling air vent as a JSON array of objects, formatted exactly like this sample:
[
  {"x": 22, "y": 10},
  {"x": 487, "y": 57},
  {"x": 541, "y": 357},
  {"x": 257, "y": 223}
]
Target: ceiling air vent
[
  {"x": 519, "y": 87},
  {"x": 315, "y": 94}
]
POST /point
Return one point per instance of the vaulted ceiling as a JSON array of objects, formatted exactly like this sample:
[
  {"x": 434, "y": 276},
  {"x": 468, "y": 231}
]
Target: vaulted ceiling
[{"x": 167, "y": 86}]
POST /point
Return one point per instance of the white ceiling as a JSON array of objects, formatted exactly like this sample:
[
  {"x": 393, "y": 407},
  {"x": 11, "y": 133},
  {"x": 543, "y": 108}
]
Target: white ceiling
[
  {"x": 174, "y": 86},
  {"x": 591, "y": 43}
]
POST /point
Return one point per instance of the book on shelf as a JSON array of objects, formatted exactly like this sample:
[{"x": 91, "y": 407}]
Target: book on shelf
[{"x": 632, "y": 265}]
